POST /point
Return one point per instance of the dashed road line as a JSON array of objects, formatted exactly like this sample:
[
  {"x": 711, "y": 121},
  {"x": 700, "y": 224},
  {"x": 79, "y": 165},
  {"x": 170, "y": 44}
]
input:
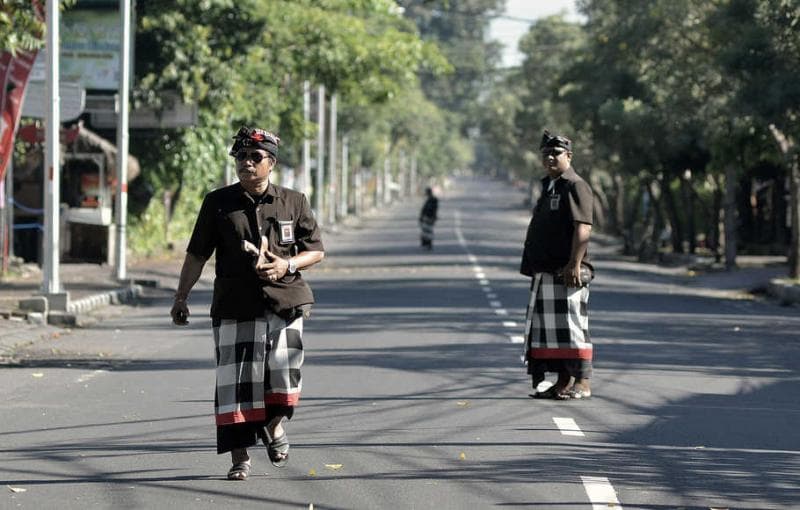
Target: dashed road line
[
  {"x": 599, "y": 490},
  {"x": 568, "y": 427},
  {"x": 601, "y": 494}
]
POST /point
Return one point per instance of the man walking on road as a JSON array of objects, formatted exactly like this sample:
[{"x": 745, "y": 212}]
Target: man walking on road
[
  {"x": 263, "y": 235},
  {"x": 556, "y": 258},
  {"x": 427, "y": 218}
]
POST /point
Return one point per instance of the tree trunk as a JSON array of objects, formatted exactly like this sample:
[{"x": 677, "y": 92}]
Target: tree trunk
[
  {"x": 716, "y": 230},
  {"x": 674, "y": 220},
  {"x": 688, "y": 203},
  {"x": 730, "y": 217},
  {"x": 794, "y": 245},
  {"x": 788, "y": 148},
  {"x": 618, "y": 213}
]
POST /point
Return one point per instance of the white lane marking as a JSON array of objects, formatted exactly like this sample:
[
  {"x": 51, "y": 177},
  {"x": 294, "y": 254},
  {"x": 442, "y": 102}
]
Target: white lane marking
[
  {"x": 495, "y": 304},
  {"x": 517, "y": 339},
  {"x": 477, "y": 269},
  {"x": 568, "y": 427},
  {"x": 484, "y": 282},
  {"x": 472, "y": 258},
  {"x": 491, "y": 295},
  {"x": 601, "y": 493},
  {"x": 480, "y": 276},
  {"x": 500, "y": 311},
  {"x": 509, "y": 324},
  {"x": 487, "y": 289},
  {"x": 91, "y": 375}
]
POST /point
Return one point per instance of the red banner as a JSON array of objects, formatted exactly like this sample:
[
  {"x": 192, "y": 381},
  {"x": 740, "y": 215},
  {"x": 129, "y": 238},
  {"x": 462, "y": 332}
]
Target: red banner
[{"x": 14, "y": 71}]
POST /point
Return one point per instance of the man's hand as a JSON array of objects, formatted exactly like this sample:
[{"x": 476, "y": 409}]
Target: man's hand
[
  {"x": 572, "y": 274},
  {"x": 179, "y": 312},
  {"x": 273, "y": 267}
]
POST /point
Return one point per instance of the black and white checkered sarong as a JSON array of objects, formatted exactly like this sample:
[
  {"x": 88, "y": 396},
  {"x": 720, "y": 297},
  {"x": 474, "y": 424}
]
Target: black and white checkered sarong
[
  {"x": 426, "y": 228},
  {"x": 557, "y": 321},
  {"x": 258, "y": 364}
]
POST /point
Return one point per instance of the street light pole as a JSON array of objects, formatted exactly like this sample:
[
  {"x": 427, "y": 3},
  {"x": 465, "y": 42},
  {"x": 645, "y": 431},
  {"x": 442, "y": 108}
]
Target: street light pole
[
  {"x": 52, "y": 159},
  {"x": 332, "y": 163},
  {"x": 319, "y": 189},
  {"x": 122, "y": 141},
  {"x": 306, "y": 188}
]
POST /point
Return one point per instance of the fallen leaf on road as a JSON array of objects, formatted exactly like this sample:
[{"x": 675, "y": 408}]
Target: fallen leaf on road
[
  {"x": 462, "y": 456},
  {"x": 16, "y": 489},
  {"x": 333, "y": 467},
  {"x": 312, "y": 472},
  {"x": 38, "y": 374},
  {"x": 463, "y": 403}
]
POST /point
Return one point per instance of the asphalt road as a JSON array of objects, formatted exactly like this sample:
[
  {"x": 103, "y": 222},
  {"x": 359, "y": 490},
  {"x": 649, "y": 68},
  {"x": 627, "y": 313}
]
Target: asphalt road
[{"x": 415, "y": 395}]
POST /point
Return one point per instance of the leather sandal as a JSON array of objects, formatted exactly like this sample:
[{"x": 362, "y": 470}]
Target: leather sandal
[
  {"x": 278, "y": 451},
  {"x": 578, "y": 393},
  {"x": 239, "y": 471}
]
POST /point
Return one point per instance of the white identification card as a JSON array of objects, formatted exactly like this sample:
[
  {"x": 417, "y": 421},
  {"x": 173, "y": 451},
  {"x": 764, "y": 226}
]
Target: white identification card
[
  {"x": 287, "y": 232},
  {"x": 554, "y": 200}
]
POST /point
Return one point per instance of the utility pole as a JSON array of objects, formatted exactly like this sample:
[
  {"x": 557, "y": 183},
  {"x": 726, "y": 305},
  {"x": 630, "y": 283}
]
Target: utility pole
[
  {"x": 320, "y": 187},
  {"x": 306, "y": 187},
  {"x": 332, "y": 164},
  {"x": 10, "y": 209},
  {"x": 358, "y": 197},
  {"x": 52, "y": 159},
  {"x": 414, "y": 174},
  {"x": 387, "y": 167},
  {"x": 345, "y": 176},
  {"x": 122, "y": 140}
]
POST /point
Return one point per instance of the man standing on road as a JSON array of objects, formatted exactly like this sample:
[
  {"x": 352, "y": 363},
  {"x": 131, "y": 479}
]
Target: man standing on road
[
  {"x": 263, "y": 235},
  {"x": 555, "y": 257},
  {"x": 427, "y": 217}
]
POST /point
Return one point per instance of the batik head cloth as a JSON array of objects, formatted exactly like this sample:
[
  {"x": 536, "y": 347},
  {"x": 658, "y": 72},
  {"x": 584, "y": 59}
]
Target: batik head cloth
[{"x": 256, "y": 138}]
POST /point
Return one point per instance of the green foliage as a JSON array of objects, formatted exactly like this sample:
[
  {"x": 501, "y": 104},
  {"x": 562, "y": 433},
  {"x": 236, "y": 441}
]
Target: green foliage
[
  {"x": 21, "y": 26},
  {"x": 245, "y": 63}
]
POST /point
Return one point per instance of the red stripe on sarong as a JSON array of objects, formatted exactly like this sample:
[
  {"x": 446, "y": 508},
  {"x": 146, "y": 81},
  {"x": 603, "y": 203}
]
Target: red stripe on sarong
[
  {"x": 544, "y": 353},
  {"x": 241, "y": 416},
  {"x": 286, "y": 399}
]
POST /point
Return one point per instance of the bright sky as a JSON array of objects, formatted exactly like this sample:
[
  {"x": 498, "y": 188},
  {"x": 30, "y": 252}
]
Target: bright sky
[{"x": 509, "y": 31}]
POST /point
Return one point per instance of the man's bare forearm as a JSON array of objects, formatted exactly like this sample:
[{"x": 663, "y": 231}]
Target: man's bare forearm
[
  {"x": 190, "y": 273},
  {"x": 580, "y": 243},
  {"x": 307, "y": 259}
]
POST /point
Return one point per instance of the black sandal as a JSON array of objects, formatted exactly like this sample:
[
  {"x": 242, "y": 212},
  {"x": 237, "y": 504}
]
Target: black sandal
[
  {"x": 550, "y": 393},
  {"x": 239, "y": 471},
  {"x": 278, "y": 451}
]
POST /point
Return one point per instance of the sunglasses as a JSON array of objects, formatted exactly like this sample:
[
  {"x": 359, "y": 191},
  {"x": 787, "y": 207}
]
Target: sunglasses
[
  {"x": 255, "y": 157},
  {"x": 555, "y": 152}
]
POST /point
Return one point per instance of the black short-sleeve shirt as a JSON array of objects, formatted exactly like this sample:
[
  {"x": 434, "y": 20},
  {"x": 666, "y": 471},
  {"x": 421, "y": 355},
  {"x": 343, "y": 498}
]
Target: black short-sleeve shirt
[
  {"x": 548, "y": 243},
  {"x": 229, "y": 216}
]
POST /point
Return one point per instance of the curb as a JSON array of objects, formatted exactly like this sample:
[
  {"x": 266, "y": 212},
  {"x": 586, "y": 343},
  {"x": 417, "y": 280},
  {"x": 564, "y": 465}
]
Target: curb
[
  {"x": 113, "y": 297},
  {"x": 784, "y": 291}
]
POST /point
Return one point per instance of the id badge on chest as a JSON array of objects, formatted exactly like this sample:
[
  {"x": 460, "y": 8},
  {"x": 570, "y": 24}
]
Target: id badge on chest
[
  {"x": 554, "y": 202},
  {"x": 286, "y": 229}
]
